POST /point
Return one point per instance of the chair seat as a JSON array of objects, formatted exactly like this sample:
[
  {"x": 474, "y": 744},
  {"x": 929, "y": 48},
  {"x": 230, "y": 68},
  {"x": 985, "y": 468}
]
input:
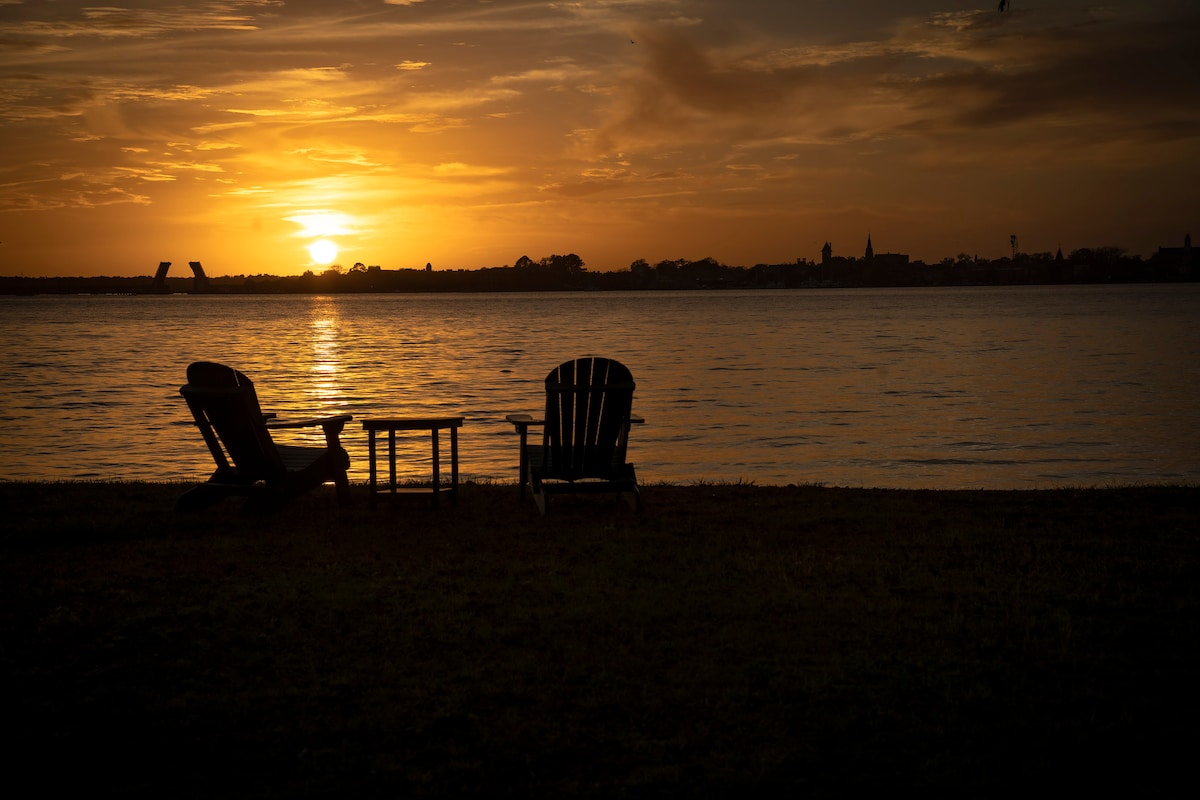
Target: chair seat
[
  {"x": 615, "y": 469},
  {"x": 297, "y": 458}
]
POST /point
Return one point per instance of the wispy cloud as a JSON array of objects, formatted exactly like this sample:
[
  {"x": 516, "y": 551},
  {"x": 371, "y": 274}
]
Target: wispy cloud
[{"x": 112, "y": 21}]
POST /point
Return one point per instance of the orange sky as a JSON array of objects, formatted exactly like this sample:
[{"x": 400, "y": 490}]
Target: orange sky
[{"x": 467, "y": 133}]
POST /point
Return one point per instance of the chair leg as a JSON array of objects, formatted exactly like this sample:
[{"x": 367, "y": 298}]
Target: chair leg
[
  {"x": 539, "y": 493},
  {"x": 343, "y": 487},
  {"x": 633, "y": 496},
  {"x": 523, "y": 464}
]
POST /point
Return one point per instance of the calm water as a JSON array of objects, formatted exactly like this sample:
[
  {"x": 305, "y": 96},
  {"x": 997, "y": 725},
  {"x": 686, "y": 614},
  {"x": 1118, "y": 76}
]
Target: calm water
[{"x": 923, "y": 388}]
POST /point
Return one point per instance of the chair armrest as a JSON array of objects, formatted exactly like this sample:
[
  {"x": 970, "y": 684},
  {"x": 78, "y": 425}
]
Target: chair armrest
[
  {"x": 325, "y": 422},
  {"x": 523, "y": 421},
  {"x": 332, "y": 426}
]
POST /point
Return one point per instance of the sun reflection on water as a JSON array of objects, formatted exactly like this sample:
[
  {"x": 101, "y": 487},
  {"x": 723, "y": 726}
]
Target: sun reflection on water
[{"x": 325, "y": 388}]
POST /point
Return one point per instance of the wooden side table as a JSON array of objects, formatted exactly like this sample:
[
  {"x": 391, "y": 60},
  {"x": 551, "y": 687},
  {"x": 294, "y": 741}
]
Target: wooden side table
[{"x": 432, "y": 424}]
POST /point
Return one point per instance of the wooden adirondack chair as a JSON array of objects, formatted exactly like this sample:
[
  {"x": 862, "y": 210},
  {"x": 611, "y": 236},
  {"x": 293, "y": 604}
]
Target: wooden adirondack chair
[
  {"x": 585, "y": 432},
  {"x": 238, "y": 435}
]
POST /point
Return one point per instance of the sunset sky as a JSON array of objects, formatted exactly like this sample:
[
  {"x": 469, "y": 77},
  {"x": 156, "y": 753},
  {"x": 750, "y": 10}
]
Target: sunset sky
[{"x": 468, "y": 133}]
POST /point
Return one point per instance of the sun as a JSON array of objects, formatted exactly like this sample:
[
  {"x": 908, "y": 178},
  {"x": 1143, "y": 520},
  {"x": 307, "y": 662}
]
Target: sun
[{"x": 323, "y": 251}]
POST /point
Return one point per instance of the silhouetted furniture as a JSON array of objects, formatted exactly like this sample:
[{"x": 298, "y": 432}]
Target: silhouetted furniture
[
  {"x": 238, "y": 434},
  {"x": 585, "y": 431},
  {"x": 432, "y": 424}
]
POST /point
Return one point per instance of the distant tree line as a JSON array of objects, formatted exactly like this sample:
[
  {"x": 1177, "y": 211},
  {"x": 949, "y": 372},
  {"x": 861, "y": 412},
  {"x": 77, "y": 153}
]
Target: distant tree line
[{"x": 569, "y": 273}]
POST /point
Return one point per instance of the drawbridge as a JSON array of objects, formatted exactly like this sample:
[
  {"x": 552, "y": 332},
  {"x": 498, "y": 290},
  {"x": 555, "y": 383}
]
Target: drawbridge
[{"x": 199, "y": 279}]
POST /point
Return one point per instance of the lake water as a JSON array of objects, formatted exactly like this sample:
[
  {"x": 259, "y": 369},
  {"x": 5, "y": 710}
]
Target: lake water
[{"x": 996, "y": 387}]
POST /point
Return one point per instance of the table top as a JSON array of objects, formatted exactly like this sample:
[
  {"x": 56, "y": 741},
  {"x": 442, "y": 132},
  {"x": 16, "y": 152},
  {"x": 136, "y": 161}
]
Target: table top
[{"x": 411, "y": 423}]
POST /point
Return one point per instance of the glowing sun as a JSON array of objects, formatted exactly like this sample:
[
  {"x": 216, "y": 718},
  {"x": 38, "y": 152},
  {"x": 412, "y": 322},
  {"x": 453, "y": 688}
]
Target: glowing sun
[{"x": 323, "y": 251}]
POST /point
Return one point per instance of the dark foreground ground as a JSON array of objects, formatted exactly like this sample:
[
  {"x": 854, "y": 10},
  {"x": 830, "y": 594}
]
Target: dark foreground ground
[{"x": 729, "y": 638}]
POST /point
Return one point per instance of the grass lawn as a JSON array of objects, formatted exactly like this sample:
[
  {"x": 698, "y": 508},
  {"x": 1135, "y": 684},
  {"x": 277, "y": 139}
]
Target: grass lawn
[{"x": 728, "y": 638}]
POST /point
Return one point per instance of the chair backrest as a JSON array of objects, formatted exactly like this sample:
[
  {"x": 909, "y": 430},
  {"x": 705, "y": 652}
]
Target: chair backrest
[
  {"x": 588, "y": 406},
  {"x": 225, "y": 406}
]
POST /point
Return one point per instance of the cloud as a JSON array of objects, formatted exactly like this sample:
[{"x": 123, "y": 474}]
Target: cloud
[
  {"x": 111, "y": 21},
  {"x": 26, "y": 191},
  {"x": 963, "y": 74},
  {"x": 581, "y": 188},
  {"x": 457, "y": 169}
]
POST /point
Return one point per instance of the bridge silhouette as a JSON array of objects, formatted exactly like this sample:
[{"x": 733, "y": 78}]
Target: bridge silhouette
[{"x": 199, "y": 279}]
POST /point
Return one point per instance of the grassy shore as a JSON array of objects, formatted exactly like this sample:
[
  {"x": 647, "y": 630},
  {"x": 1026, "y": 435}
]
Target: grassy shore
[{"x": 728, "y": 638}]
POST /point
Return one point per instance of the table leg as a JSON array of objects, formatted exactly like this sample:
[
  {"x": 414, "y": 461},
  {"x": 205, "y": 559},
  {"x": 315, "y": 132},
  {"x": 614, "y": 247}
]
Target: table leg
[
  {"x": 454, "y": 466},
  {"x": 371, "y": 450},
  {"x": 436, "y": 468},
  {"x": 392, "y": 463}
]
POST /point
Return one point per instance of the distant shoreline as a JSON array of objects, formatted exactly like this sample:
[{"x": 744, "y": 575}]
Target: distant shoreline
[
  {"x": 458, "y": 283},
  {"x": 568, "y": 273}
]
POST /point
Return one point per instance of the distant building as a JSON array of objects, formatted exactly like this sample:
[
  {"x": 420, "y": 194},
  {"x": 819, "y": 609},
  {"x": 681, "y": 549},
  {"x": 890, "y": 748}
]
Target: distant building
[
  {"x": 884, "y": 260},
  {"x": 1178, "y": 262},
  {"x": 872, "y": 268},
  {"x": 889, "y": 260},
  {"x": 1174, "y": 252},
  {"x": 884, "y": 268},
  {"x": 838, "y": 270}
]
